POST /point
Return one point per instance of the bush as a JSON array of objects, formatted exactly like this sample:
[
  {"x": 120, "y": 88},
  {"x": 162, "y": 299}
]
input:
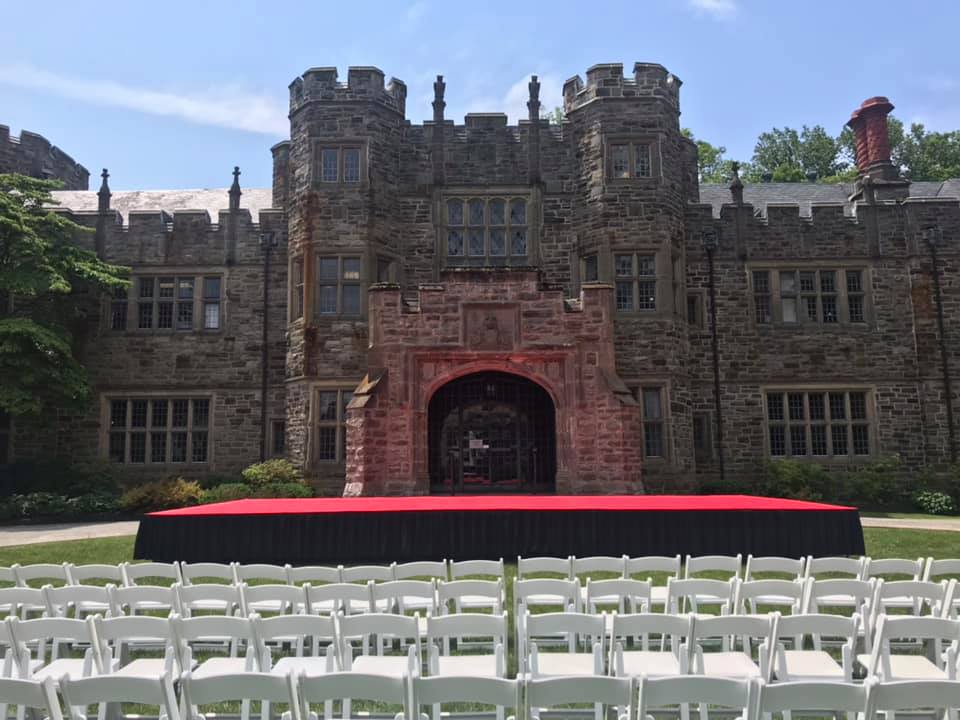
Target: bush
[
  {"x": 225, "y": 492},
  {"x": 797, "y": 480},
  {"x": 59, "y": 477},
  {"x": 272, "y": 472},
  {"x": 94, "y": 504},
  {"x": 239, "y": 491},
  {"x": 935, "y": 502},
  {"x": 41, "y": 504},
  {"x": 161, "y": 495},
  {"x": 878, "y": 485}
]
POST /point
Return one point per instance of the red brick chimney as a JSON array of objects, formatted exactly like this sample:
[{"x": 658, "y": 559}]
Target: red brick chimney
[{"x": 869, "y": 125}]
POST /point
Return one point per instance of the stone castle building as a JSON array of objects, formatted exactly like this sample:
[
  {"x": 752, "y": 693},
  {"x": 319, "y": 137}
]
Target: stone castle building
[{"x": 479, "y": 306}]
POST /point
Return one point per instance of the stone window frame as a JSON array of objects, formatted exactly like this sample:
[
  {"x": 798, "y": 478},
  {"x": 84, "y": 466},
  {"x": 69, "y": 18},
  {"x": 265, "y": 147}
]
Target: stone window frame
[
  {"x": 340, "y": 146},
  {"x": 190, "y": 430},
  {"x": 385, "y": 268},
  {"x": 507, "y": 194},
  {"x": 821, "y": 418},
  {"x": 340, "y": 282},
  {"x": 123, "y": 312},
  {"x": 590, "y": 274},
  {"x": 344, "y": 393},
  {"x": 696, "y": 299},
  {"x": 773, "y": 295},
  {"x": 297, "y": 302},
  {"x": 632, "y": 142},
  {"x": 278, "y": 441},
  {"x": 703, "y": 452},
  {"x": 6, "y": 438},
  {"x": 637, "y": 279},
  {"x": 637, "y": 389}
]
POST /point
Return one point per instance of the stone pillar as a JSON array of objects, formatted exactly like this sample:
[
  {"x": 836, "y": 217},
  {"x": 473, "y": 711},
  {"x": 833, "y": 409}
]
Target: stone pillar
[
  {"x": 103, "y": 208},
  {"x": 281, "y": 174},
  {"x": 439, "y": 88},
  {"x": 533, "y": 115},
  {"x": 234, "y": 205}
]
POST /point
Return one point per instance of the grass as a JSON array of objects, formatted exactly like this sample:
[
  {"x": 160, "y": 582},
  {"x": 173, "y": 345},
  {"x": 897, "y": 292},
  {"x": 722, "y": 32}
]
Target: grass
[{"x": 908, "y": 516}]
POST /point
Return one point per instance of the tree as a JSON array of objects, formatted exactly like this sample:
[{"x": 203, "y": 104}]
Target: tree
[
  {"x": 555, "y": 116},
  {"x": 49, "y": 286},
  {"x": 791, "y": 156},
  {"x": 930, "y": 155},
  {"x": 712, "y": 166}
]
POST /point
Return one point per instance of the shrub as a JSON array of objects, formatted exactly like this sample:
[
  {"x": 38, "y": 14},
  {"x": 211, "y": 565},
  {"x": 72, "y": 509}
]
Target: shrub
[
  {"x": 797, "y": 480},
  {"x": 225, "y": 492},
  {"x": 935, "y": 502},
  {"x": 271, "y": 472},
  {"x": 879, "y": 485},
  {"x": 59, "y": 477},
  {"x": 93, "y": 504},
  {"x": 161, "y": 495},
  {"x": 286, "y": 490},
  {"x": 41, "y": 504}
]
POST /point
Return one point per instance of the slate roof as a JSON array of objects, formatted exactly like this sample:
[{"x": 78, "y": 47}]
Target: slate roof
[
  {"x": 761, "y": 194},
  {"x": 211, "y": 200}
]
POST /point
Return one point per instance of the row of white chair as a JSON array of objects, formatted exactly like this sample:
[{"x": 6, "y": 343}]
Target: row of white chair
[
  {"x": 632, "y": 698},
  {"x": 570, "y": 567},
  {"x": 787, "y": 648}
]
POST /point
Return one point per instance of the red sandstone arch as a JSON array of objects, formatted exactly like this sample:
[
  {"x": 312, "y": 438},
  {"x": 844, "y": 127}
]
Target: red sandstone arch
[{"x": 505, "y": 366}]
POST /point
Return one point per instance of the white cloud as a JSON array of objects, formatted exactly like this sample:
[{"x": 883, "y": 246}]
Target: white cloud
[
  {"x": 719, "y": 9},
  {"x": 514, "y": 102},
  {"x": 225, "y": 106}
]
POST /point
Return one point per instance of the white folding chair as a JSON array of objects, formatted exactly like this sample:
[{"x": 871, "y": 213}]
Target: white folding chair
[
  {"x": 730, "y": 565},
  {"x": 35, "y": 694},
  {"x": 314, "y": 574},
  {"x": 84, "y": 574},
  {"x": 839, "y": 596},
  {"x": 894, "y": 568},
  {"x": 366, "y": 573},
  {"x": 852, "y": 568},
  {"x": 106, "y": 690},
  {"x": 140, "y": 599},
  {"x": 273, "y": 599},
  {"x": 41, "y": 574},
  {"x": 347, "y": 598},
  {"x": 444, "y": 628},
  {"x": 349, "y": 686},
  {"x": 602, "y": 692},
  {"x": 689, "y": 595},
  {"x": 818, "y": 697},
  {"x": 785, "y": 595},
  {"x": 470, "y": 595},
  {"x": 476, "y": 690},
  {"x": 943, "y": 635},
  {"x": 384, "y": 628},
  {"x": 247, "y": 687},
  {"x": 22, "y": 602},
  {"x": 77, "y": 600},
  {"x": 806, "y": 660},
  {"x": 208, "y": 598},
  {"x": 403, "y": 596},
  {"x": 58, "y": 634},
  {"x": 916, "y": 596},
  {"x": 545, "y": 592},
  {"x": 945, "y": 569},
  {"x": 584, "y": 568},
  {"x": 774, "y": 567},
  {"x": 134, "y": 573},
  {"x": 421, "y": 570},
  {"x": 207, "y": 633},
  {"x": 914, "y": 695},
  {"x": 556, "y": 567},
  {"x": 477, "y": 569},
  {"x": 207, "y": 571},
  {"x": 577, "y": 631},
  {"x": 630, "y": 596},
  {"x": 729, "y": 660},
  {"x": 641, "y": 567},
  {"x": 312, "y": 637},
  {"x": 261, "y": 574},
  {"x": 119, "y": 636},
  {"x": 672, "y": 658},
  {"x": 738, "y": 695}
]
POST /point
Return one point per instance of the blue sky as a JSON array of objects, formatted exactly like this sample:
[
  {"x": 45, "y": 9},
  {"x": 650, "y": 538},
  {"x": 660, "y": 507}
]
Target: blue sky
[{"x": 174, "y": 94}]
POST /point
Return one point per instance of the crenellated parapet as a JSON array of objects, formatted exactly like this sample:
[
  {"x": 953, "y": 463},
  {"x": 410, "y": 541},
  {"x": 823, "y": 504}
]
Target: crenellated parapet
[
  {"x": 32, "y": 154},
  {"x": 364, "y": 84},
  {"x": 607, "y": 81}
]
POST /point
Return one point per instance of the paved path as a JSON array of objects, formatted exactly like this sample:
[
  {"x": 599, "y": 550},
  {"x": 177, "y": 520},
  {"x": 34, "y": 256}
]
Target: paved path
[
  {"x": 30, "y": 534},
  {"x": 951, "y": 524}
]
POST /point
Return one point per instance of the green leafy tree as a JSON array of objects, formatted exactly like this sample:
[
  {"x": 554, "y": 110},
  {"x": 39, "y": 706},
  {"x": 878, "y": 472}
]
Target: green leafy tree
[
  {"x": 555, "y": 116},
  {"x": 930, "y": 155},
  {"x": 49, "y": 286},
  {"x": 712, "y": 166}
]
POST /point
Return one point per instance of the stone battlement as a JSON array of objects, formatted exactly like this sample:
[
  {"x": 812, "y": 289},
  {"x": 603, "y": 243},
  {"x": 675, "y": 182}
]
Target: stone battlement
[
  {"x": 364, "y": 84},
  {"x": 32, "y": 154},
  {"x": 607, "y": 80}
]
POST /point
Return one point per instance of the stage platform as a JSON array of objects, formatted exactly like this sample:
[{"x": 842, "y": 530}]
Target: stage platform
[{"x": 387, "y": 529}]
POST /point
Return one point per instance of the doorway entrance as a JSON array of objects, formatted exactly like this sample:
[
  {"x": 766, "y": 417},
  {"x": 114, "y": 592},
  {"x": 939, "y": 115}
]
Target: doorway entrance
[{"x": 492, "y": 432}]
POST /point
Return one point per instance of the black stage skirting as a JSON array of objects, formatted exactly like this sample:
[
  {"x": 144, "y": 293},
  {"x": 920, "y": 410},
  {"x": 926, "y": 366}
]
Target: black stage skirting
[{"x": 383, "y": 530}]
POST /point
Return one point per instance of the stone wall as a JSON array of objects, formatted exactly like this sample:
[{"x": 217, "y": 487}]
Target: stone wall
[{"x": 33, "y": 155}]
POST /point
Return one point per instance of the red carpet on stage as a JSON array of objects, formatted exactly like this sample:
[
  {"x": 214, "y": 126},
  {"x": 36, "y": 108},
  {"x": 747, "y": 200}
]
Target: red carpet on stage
[
  {"x": 490, "y": 503},
  {"x": 386, "y": 529}
]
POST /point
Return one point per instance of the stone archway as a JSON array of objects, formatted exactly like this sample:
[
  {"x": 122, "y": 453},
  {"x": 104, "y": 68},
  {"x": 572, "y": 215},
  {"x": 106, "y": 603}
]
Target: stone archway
[{"x": 492, "y": 432}]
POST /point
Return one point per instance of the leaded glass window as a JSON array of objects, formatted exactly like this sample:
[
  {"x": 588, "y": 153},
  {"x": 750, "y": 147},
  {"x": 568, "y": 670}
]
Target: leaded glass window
[{"x": 486, "y": 231}]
